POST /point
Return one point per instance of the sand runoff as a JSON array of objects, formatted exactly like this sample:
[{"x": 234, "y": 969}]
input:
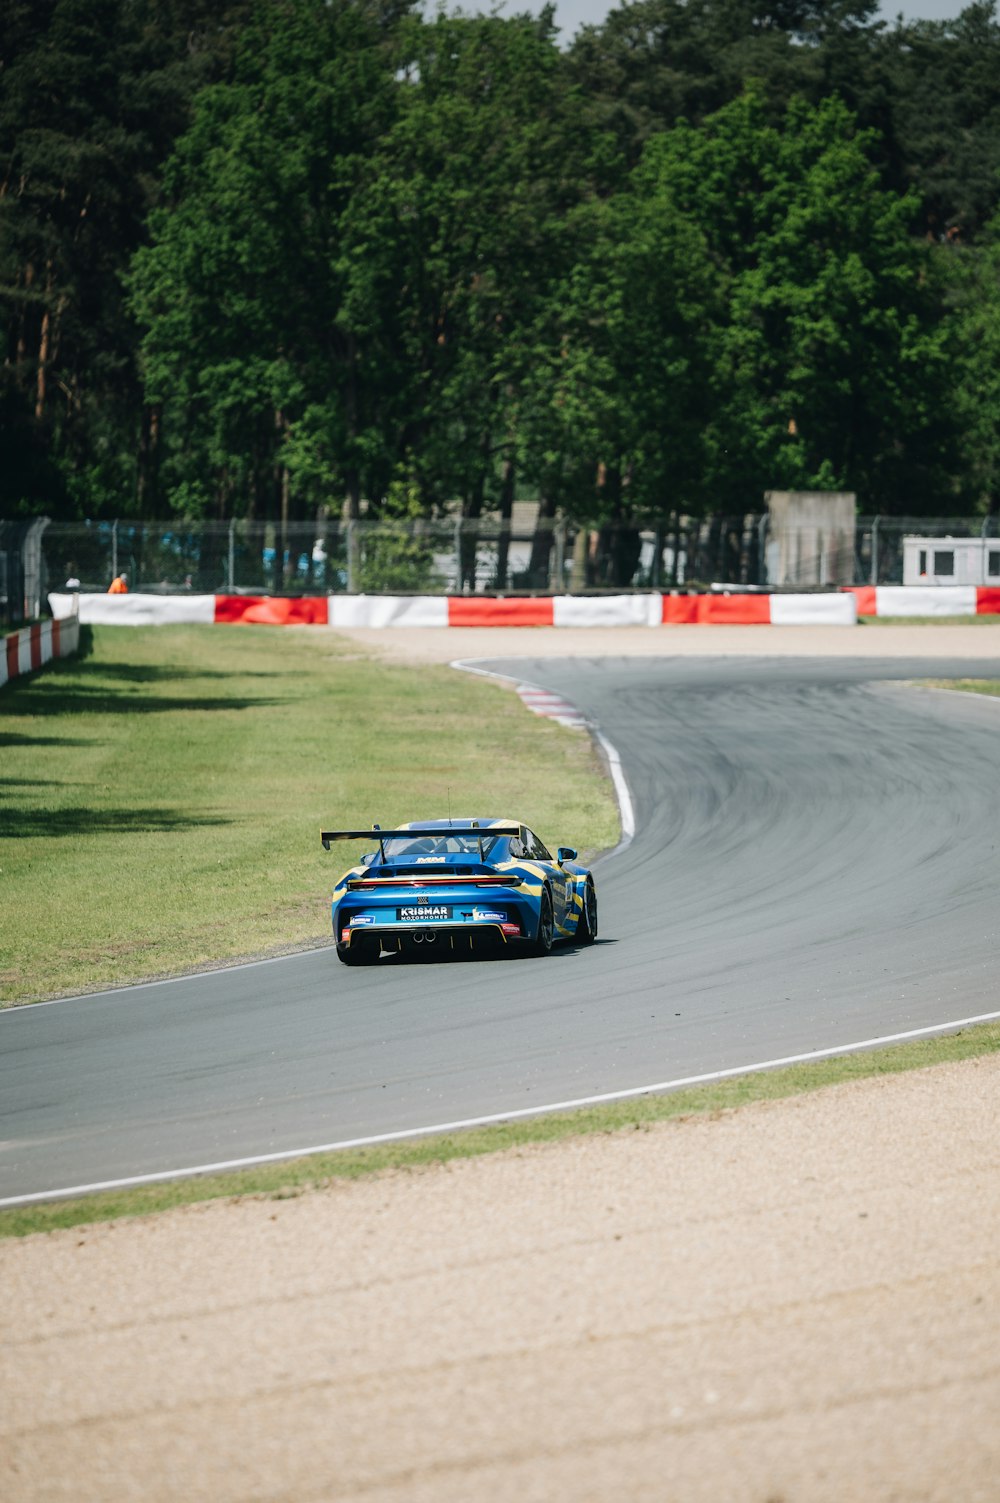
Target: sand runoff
[
  {"x": 444, "y": 644},
  {"x": 795, "y": 1302},
  {"x": 798, "y": 1302}
]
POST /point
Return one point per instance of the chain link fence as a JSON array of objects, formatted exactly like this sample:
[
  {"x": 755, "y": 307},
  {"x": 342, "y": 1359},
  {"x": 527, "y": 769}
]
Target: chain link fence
[
  {"x": 448, "y": 556},
  {"x": 456, "y": 555}
]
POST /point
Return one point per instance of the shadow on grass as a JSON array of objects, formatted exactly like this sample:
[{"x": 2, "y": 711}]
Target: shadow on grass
[
  {"x": 162, "y": 673},
  {"x": 101, "y": 701},
  {"x": 69, "y": 686},
  {"x": 25, "y": 824},
  {"x": 15, "y": 738}
]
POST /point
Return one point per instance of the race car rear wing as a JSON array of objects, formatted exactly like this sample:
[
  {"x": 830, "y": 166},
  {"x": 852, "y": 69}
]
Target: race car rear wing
[{"x": 435, "y": 833}]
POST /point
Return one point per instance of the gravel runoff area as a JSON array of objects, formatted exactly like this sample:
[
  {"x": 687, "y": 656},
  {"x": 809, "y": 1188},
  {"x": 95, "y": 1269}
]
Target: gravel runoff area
[
  {"x": 446, "y": 644},
  {"x": 795, "y": 1302}
]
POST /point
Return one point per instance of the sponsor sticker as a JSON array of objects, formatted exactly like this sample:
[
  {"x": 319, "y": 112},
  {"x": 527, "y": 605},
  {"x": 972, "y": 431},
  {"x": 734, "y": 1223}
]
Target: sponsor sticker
[
  {"x": 429, "y": 860},
  {"x": 362, "y": 918},
  {"x": 487, "y": 916},
  {"x": 420, "y": 915},
  {"x": 511, "y": 928},
  {"x": 345, "y": 935}
]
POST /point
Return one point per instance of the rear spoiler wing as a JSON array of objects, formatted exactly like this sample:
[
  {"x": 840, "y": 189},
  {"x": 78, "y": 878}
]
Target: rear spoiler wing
[{"x": 375, "y": 833}]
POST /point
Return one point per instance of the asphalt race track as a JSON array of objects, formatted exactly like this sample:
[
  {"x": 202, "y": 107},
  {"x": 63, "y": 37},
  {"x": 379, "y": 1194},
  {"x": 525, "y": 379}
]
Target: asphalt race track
[{"x": 816, "y": 862}]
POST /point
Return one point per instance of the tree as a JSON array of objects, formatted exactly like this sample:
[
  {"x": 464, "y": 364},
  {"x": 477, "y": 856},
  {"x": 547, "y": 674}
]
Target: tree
[
  {"x": 457, "y": 232},
  {"x": 240, "y": 290},
  {"x": 622, "y": 392},
  {"x": 971, "y": 276},
  {"x": 90, "y": 92},
  {"x": 654, "y": 62},
  {"x": 945, "y": 78},
  {"x": 832, "y": 369}
]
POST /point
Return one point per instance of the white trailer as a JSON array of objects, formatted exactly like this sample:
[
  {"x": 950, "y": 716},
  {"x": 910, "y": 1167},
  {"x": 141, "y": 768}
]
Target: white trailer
[{"x": 951, "y": 561}]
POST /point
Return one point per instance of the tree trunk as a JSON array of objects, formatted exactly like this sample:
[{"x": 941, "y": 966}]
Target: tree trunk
[
  {"x": 44, "y": 346},
  {"x": 541, "y": 544},
  {"x": 43, "y": 355},
  {"x": 472, "y": 510},
  {"x": 147, "y": 467},
  {"x": 506, "y": 513}
]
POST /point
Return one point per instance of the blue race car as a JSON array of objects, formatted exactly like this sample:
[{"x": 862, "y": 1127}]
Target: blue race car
[{"x": 459, "y": 885}]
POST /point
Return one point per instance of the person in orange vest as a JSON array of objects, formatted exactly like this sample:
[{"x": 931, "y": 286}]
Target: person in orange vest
[{"x": 119, "y": 585}]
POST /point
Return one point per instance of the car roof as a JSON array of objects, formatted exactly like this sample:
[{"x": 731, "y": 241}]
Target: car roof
[{"x": 484, "y": 822}]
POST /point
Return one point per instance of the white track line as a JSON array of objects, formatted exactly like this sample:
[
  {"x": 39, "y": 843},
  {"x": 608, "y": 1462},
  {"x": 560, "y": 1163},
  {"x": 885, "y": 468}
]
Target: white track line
[
  {"x": 626, "y": 811},
  {"x": 25, "y": 1009},
  {"x": 225, "y": 1165}
]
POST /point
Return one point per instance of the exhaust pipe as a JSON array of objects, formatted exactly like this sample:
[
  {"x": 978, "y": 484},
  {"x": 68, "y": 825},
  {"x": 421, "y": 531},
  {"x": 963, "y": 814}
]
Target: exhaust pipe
[{"x": 424, "y": 937}]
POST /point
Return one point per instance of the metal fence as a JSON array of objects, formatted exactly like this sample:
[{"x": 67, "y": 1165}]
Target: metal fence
[
  {"x": 878, "y": 549},
  {"x": 457, "y": 556},
  {"x": 23, "y": 579},
  {"x": 449, "y": 556}
]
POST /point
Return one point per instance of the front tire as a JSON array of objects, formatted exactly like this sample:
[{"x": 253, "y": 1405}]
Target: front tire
[
  {"x": 546, "y": 927},
  {"x": 586, "y": 928}
]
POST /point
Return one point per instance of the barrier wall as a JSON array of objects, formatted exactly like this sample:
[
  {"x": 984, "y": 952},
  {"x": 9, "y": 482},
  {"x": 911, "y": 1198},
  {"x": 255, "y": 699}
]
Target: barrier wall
[
  {"x": 834, "y": 609},
  {"x": 926, "y": 600},
  {"x": 388, "y": 610},
  {"x": 271, "y": 610},
  {"x": 31, "y": 647},
  {"x": 135, "y": 610}
]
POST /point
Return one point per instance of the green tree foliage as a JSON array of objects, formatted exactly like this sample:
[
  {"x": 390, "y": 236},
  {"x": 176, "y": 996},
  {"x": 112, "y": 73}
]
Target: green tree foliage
[
  {"x": 91, "y": 92},
  {"x": 654, "y": 62},
  {"x": 241, "y": 287},
  {"x": 930, "y": 89},
  {"x": 621, "y": 390},
  {"x": 755, "y": 314},
  {"x": 832, "y": 370},
  {"x": 393, "y": 554},
  {"x": 945, "y": 78},
  {"x": 454, "y": 239},
  {"x": 971, "y": 276},
  {"x": 262, "y": 257}
]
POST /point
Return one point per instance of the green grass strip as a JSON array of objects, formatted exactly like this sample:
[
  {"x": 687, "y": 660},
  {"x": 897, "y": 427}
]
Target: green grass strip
[
  {"x": 298, "y": 1176},
  {"x": 979, "y": 619},
  {"x": 161, "y": 799},
  {"x": 988, "y": 686}
]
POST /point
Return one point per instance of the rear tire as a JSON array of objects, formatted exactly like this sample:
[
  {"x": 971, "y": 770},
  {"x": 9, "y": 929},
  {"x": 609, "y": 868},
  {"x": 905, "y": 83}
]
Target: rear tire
[
  {"x": 586, "y": 929},
  {"x": 361, "y": 952},
  {"x": 544, "y": 937}
]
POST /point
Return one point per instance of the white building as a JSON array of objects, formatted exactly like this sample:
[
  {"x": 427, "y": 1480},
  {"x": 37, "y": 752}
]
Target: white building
[{"x": 951, "y": 561}]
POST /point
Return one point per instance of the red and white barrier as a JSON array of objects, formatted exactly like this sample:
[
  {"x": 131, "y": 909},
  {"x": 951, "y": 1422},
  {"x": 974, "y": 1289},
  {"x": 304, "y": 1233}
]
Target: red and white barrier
[
  {"x": 388, "y": 610},
  {"x": 271, "y": 610},
  {"x": 31, "y": 647},
  {"x": 606, "y": 610},
  {"x": 653, "y": 609},
  {"x": 926, "y": 600},
  {"x": 135, "y": 610},
  {"x": 759, "y": 610}
]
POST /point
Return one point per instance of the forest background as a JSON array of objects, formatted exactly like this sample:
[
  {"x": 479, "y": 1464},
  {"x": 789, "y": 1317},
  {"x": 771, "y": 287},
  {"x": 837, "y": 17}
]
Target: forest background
[{"x": 297, "y": 258}]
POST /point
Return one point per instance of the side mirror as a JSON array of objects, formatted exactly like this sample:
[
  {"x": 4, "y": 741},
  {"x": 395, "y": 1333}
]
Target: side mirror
[{"x": 565, "y": 853}]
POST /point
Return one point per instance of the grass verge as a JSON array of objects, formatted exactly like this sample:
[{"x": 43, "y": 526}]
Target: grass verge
[
  {"x": 162, "y": 798},
  {"x": 976, "y": 620},
  {"x": 298, "y": 1176},
  {"x": 988, "y": 686}
]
